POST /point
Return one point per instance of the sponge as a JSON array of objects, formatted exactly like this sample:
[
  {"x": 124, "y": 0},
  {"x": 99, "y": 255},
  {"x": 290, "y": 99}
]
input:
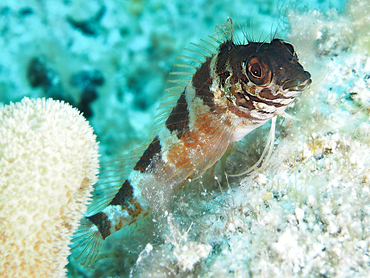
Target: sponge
[{"x": 48, "y": 164}]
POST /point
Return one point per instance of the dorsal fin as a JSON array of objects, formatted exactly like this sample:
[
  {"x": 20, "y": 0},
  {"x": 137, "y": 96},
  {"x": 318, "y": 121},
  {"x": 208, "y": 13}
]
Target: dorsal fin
[
  {"x": 114, "y": 173},
  {"x": 180, "y": 78},
  {"x": 223, "y": 32}
]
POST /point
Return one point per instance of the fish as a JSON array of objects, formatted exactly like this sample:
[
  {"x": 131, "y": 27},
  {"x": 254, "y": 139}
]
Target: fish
[{"x": 223, "y": 91}]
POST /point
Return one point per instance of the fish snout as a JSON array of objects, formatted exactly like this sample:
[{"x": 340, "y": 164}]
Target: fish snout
[{"x": 301, "y": 82}]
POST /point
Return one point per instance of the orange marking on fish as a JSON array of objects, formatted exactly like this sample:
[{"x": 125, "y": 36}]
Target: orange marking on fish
[
  {"x": 190, "y": 145},
  {"x": 119, "y": 225}
]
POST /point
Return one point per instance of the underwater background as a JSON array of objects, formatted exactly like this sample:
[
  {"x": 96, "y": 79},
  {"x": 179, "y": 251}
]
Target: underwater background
[
  {"x": 306, "y": 214},
  {"x": 111, "y": 59}
]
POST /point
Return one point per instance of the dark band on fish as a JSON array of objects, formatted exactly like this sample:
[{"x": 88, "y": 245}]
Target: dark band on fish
[
  {"x": 154, "y": 149},
  {"x": 257, "y": 99},
  {"x": 179, "y": 118},
  {"x": 101, "y": 221},
  {"x": 222, "y": 61},
  {"x": 202, "y": 82},
  {"x": 244, "y": 101},
  {"x": 266, "y": 93},
  {"x": 124, "y": 195}
]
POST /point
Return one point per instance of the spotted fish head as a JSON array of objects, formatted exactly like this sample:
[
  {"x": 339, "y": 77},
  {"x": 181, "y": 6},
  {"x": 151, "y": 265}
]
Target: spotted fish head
[
  {"x": 277, "y": 64},
  {"x": 263, "y": 78}
]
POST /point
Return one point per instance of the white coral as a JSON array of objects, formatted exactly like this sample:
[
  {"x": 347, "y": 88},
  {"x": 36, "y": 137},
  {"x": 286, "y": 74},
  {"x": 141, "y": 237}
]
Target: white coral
[{"x": 48, "y": 164}]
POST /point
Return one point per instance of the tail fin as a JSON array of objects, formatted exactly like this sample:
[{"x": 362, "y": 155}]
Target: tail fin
[{"x": 88, "y": 241}]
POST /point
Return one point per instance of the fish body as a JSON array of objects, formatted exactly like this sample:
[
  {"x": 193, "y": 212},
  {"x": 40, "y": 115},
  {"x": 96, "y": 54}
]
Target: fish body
[{"x": 234, "y": 89}]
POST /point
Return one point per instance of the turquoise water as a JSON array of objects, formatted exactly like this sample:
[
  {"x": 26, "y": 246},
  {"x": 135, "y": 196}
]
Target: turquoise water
[{"x": 111, "y": 59}]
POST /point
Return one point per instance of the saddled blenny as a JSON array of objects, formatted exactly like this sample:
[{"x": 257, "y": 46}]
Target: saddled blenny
[{"x": 223, "y": 92}]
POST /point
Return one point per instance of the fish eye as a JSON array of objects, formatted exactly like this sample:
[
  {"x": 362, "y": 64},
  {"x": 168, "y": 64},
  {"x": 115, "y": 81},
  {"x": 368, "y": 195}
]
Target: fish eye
[{"x": 258, "y": 72}]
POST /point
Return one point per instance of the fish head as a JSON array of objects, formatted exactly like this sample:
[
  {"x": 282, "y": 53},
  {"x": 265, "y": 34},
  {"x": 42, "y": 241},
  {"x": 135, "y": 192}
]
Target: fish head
[
  {"x": 266, "y": 78},
  {"x": 278, "y": 63}
]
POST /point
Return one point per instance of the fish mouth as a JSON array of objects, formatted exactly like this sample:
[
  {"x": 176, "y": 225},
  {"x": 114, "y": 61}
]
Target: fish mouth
[{"x": 298, "y": 84}]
